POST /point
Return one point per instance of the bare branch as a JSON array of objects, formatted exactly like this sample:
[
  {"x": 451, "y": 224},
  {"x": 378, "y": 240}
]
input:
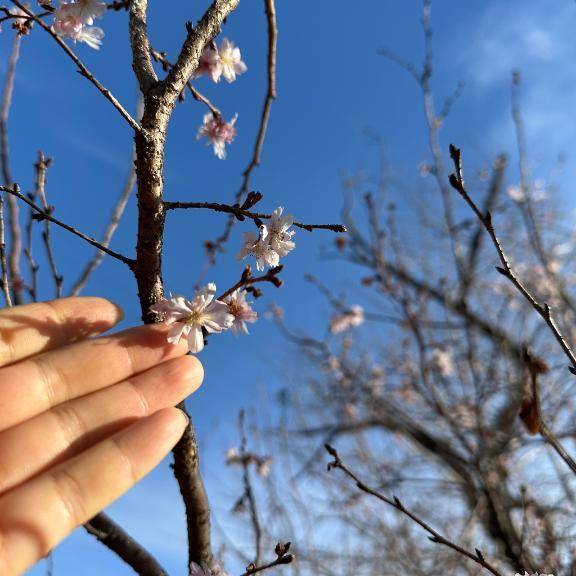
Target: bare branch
[
  {"x": 13, "y": 212},
  {"x": 141, "y": 60},
  {"x": 435, "y": 537},
  {"x": 116, "y": 539},
  {"x": 240, "y": 214},
  {"x": 109, "y": 232},
  {"x": 47, "y": 216},
  {"x": 457, "y": 182},
  {"x": 81, "y": 68}
]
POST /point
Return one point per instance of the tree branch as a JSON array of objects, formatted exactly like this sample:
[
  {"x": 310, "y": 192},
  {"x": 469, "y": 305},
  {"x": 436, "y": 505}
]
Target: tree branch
[
  {"x": 457, "y": 182},
  {"x": 435, "y": 537},
  {"x": 47, "y": 216},
  {"x": 116, "y": 539},
  {"x": 81, "y": 68},
  {"x": 13, "y": 213},
  {"x": 240, "y": 214}
]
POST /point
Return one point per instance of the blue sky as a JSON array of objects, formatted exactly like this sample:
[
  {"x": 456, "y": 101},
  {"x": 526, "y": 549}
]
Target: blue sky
[{"x": 332, "y": 85}]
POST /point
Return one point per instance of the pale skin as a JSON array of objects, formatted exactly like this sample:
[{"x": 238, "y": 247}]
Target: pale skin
[{"x": 82, "y": 419}]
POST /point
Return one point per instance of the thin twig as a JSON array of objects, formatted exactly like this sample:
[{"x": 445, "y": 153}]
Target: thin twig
[
  {"x": 240, "y": 214},
  {"x": 13, "y": 212},
  {"x": 81, "y": 68},
  {"x": 109, "y": 232},
  {"x": 3, "y": 263},
  {"x": 44, "y": 215},
  {"x": 248, "y": 280},
  {"x": 435, "y": 537},
  {"x": 457, "y": 182},
  {"x": 41, "y": 168},
  {"x": 249, "y": 491}
]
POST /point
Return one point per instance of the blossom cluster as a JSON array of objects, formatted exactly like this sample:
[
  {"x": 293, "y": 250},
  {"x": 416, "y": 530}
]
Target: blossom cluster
[
  {"x": 206, "y": 314},
  {"x": 191, "y": 319},
  {"x": 224, "y": 61},
  {"x": 274, "y": 241},
  {"x": 74, "y": 20},
  {"x": 216, "y": 63}
]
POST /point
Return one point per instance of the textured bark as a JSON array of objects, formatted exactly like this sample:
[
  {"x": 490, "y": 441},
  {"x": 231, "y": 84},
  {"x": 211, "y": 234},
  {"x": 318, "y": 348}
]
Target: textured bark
[{"x": 160, "y": 97}]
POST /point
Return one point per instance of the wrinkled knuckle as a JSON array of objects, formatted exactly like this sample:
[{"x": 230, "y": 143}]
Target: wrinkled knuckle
[
  {"x": 47, "y": 378},
  {"x": 69, "y": 422},
  {"x": 72, "y": 497},
  {"x": 126, "y": 461},
  {"x": 141, "y": 400}
]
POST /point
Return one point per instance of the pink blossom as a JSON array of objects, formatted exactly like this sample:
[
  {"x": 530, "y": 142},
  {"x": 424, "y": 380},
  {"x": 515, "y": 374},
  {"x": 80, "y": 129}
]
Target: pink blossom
[
  {"x": 71, "y": 19},
  {"x": 231, "y": 60},
  {"x": 226, "y": 61},
  {"x": 87, "y": 10},
  {"x": 191, "y": 317},
  {"x": 240, "y": 308},
  {"x": 217, "y": 132},
  {"x": 209, "y": 63}
]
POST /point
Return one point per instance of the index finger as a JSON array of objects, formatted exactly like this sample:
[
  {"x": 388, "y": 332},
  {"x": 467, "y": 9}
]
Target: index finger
[{"x": 33, "y": 328}]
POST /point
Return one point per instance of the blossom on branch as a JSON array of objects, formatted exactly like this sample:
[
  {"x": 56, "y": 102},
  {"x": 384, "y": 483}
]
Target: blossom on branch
[
  {"x": 218, "y": 133},
  {"x": 231, "y": 60},
  {"x": 191, "y": 317},
  {"x": 274, "y": 241},
  {"x": 242, "y": 311},
  {"x": 279, "y": 235},
  {"x": 226, "y": 61},
  {"x": 209, "y": 63},
  {"x": 350, "y": 319},
  {"x": 74, "y": 20},
  {"x": 260, "y": 248}
]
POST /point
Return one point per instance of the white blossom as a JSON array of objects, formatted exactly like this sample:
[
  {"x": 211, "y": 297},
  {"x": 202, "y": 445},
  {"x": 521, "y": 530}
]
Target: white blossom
[
  {"x": 260, "y": 248},
  {"x": 190, "y": 317},
  {"x": 242, "y": 311},
  {"x": 72, "y": 20},
  {"x": 231, "y": 60},
  {"x": 349, "y": 319},
  {"x": 279, "y": 235}
]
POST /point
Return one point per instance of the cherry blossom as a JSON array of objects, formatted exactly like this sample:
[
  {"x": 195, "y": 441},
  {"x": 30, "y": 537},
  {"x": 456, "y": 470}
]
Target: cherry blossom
[
  {"x": 73, "y": 19},
  {"x": 226, "y": 61},
  {"x": 217, "y": 132},
  {"x": 350, "y": 319},
  {"x": 260, "y": 248},
  {"x": 240, "y": 308},
  {"x": 279, "y": 235},
  {"x": 231, "y": 60},
  {"x": 191, "y": 317},
  {"x": 87, "y": 10},
  {"x": 209, "y": 63}
]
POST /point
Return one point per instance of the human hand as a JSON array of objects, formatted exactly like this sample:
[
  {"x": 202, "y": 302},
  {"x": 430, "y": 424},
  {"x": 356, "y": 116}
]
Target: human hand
[{"x": 81, "y": 419}]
